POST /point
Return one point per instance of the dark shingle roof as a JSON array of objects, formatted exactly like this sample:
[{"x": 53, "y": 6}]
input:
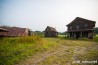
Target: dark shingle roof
[
  {"x": 80, "y": 19},
  {"x": 51, "y": 28},
  {"x": 3, "y": 30}
]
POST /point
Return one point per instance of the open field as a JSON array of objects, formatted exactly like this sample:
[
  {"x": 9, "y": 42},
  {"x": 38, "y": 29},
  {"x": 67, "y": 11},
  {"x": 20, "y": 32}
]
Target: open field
[{"x": 47, "y": 51}]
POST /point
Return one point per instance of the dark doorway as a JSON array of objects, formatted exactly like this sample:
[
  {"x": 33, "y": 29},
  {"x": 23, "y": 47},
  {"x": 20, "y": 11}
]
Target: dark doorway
[{"x": 77, "y": 35}]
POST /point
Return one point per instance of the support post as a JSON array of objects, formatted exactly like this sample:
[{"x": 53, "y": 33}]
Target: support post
[
  {"x": 72, "y": 35},
  {"x": 81, "y": 34}
]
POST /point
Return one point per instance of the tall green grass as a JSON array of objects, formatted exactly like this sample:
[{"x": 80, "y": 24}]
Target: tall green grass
[
  {"x": 96, "y": 39},
  {"x": 14, "y": 49}
]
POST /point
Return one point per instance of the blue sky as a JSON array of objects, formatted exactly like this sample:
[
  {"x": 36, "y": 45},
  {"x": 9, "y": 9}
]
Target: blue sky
[{"x": 38, "y": 14}]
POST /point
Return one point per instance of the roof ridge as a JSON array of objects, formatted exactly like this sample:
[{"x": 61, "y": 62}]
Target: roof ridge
[{"x": 51, "y": 28}]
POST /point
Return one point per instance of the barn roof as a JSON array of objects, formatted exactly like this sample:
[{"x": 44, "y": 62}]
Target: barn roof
[
  {"x": 3, "y": 30},
  {"x": 80, "y": 19},
  {"x": 51, "y": 28},
  {"x": 13, "y": 31}
]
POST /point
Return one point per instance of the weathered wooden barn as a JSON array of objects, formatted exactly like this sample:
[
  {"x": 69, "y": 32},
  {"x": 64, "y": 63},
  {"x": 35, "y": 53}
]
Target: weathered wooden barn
[
  {"x": 81, "y": 28},
  {"x": 50, "y": 32},
  {"x": 14, "y": 31}
]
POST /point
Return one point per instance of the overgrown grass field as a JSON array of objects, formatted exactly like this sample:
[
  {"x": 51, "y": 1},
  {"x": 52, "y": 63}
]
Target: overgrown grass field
[
  {"x": 37, "y": 50},
  {"x": 14, "y": 49}
]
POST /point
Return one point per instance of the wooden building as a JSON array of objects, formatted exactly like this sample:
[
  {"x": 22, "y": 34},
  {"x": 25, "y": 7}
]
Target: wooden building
[
  {"x": 81, "y": 28},
  {"x": 50, "y": 32},
  {"x": 14, "y": 31}
]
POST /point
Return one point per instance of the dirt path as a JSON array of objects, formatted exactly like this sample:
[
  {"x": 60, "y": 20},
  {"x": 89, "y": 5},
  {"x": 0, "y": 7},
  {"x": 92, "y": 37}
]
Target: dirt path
[
  {"x": 34, "y": 60},
  {"x": 41, "y": 57},
  {"x": 48, "y": 55}
]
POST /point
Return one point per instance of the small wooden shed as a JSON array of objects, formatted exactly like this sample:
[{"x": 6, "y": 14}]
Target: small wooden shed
[{"x": 50, "y": 32}]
